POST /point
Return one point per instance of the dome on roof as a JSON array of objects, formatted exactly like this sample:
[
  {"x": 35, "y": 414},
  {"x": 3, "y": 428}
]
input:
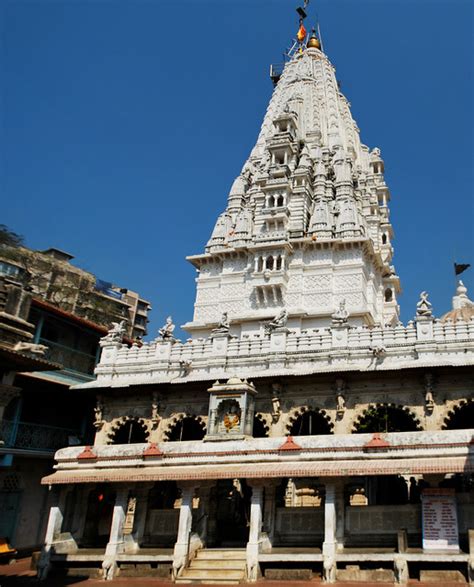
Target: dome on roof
[{"x": 463, "y": 307}]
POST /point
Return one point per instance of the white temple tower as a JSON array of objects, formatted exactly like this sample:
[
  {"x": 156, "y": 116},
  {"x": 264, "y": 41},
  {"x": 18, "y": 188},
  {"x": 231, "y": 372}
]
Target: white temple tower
[{"x": 306, "y": 225}]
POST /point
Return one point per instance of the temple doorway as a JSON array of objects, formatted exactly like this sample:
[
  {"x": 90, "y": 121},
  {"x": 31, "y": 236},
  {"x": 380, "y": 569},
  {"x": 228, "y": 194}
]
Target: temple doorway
[
  {"x": 232, "y": 513},
  {"x": 100, "y": 509}
]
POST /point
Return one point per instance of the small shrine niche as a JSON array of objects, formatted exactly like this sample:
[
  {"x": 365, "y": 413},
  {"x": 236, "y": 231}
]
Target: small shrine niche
[{"x": 231, "y": 410}]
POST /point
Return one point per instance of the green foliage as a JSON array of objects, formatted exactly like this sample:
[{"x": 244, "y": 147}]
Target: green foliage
[{"x": 10, "y": 238}]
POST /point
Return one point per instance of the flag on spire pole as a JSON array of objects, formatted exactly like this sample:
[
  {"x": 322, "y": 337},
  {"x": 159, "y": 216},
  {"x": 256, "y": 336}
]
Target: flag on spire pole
[
  {"x": 301, "y": 34},
  {"x": 460, "y": 267}
]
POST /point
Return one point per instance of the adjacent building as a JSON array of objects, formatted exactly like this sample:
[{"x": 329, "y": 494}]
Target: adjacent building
[
  {"x": 52, "y": 317},
  {"x": 302, "y": 428},
  {"x": 51, "y": 276}
]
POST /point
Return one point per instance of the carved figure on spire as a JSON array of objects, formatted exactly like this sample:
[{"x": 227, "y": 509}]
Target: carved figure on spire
[
  {"x": 279, "y": 321},
  {"x": 424, "y": 307},
  {"x": 166, "y": 331},
  {"x": 341, "y": 315},
  {"x": 116, "y": 332}
]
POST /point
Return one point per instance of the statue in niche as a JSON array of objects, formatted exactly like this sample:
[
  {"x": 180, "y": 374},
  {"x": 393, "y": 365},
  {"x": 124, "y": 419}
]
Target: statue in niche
[
  {"x": 341, "y": 315},
  {"x": 166, "y": 331},
  {"x": 424, "y": 307},
  {"x": 116, "y": 332},
  {"x": 276, "y": 403},
  {"x": 340, "y": 399},
  {"x": 229, "y": 414},
  {"x": 98, "y": 414},
  {"x": 429, "y": 398},
  {"x": 223, "y": 325},
  {"x": 279, "y": 321},
  {"x": 155, "y": 410}
]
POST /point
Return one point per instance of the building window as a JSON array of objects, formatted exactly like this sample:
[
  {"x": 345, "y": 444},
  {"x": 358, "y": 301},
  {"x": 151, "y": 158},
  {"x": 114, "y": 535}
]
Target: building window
[{"x": 10, "y": 270}]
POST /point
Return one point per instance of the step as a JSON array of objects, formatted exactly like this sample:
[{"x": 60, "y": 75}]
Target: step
[
  {"x": 212, "y": 574},
  {"x": 212, "y": 563},
  {"x": 179, "y": 580},
  {"x": 224, "y": 554}
]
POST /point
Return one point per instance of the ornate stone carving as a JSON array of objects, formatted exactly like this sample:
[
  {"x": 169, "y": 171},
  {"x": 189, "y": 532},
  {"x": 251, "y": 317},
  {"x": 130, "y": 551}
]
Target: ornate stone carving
[
  {"x": 340, "y": 388},
  {"x": 276, "y": 402},
  {"x": 341, "y": 315},
  {"x": 429, "y": 398},
  {"x": 29, "y": 347},
  {"x": 98, "y": 414},
  {"x": 279, "y": 321},
  {"x": 424, "y": 308},
  {"x": 166, "y": 331},
  {"x": 115, "y": 333},
  {"x": 223, "y": 326}
]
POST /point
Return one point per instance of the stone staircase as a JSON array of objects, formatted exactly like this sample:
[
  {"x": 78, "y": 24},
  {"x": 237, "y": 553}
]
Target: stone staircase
[{"x": 220, "y": 566}]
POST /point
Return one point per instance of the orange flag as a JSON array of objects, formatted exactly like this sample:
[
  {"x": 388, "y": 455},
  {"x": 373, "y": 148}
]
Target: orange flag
[{"x": 301, "y": 34}]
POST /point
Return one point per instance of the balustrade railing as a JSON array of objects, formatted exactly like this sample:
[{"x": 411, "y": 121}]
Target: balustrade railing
[
  {"x": 30, "y": 436},
  {"x": 69, "y": 358}
]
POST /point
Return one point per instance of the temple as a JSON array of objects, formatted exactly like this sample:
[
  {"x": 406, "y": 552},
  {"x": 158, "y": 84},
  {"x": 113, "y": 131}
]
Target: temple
[{"x": 302, "y": 429}]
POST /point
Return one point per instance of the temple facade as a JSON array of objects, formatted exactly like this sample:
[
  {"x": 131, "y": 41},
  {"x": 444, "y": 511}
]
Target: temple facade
[{"x": 302, "y": 429}]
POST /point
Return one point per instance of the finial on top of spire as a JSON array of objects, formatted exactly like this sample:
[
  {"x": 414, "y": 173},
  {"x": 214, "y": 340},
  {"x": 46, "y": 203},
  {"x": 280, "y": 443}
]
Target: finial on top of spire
[{"x": 313, "y": 41}]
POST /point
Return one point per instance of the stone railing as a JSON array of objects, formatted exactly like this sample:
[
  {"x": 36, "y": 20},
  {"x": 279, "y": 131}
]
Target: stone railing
[
  {"x": 422, "y": 343},
  {"x": 35, "y": 437}
]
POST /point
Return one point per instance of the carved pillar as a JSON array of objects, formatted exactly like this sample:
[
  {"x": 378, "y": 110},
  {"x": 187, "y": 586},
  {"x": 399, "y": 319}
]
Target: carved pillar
[
  {"x": 204, "y": 510},
  {"x": 340, "y": 513},
  {"x": 330, "y": 542},
  {"x": 256, "y": 519},
  {"x": 53, "y": 530},
  {"x": 116, "y": 539},
  {"x": 270, "y": 509},
  {"x": 141, "y": 512},
  {"x": 182, "y": 546}
]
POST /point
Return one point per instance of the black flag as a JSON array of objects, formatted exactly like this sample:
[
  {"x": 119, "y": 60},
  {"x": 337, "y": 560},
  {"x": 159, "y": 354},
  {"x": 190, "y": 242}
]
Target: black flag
[{"x": 460, "y": 267}]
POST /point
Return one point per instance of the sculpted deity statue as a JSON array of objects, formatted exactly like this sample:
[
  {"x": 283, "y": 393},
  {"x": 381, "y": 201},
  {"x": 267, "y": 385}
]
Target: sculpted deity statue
[
  {"x": 223, "y": 325},
  {"x": 279, "y": 321},
  {"x": 424, "y": 307},
  {"x": 116, "y": 332},
  {"x": 98, "y": 414},
  {"x": 341, "y": 315},
  {"x": 166, "y": 331}
]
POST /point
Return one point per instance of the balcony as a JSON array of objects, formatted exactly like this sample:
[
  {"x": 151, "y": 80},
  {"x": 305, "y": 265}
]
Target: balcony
[
  {"x": 34, "y": 437},
  {"x": 71, "y": 359}
]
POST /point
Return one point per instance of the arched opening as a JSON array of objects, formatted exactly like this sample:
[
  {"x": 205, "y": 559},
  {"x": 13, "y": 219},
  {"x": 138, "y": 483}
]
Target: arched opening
[
  {"x": 384, "y": 239},
  {"x": 310, "y": 423},
  {"x": 260, "y": 428},
  {"x": 130, "y": 431},
  {"x": 270, "y": 263},
  {"x": 386, "y": 418},
  {"x": 388, "y": 295},
  {"x": 280, "y": 201},
  {"x": 461, "y": 417},
  {"x": 187, "y": 428}
]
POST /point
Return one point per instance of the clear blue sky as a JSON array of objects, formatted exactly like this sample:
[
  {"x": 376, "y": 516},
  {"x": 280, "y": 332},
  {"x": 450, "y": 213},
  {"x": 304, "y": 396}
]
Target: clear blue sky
[{"x": 124, "y": 124}]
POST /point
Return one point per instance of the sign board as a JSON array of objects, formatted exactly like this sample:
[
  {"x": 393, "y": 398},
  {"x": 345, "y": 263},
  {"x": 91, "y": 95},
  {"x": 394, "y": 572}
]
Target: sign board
[{"x": 440, "y": 522}]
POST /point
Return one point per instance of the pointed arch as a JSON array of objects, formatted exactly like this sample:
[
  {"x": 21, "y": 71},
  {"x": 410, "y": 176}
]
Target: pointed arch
[
  {"x": 260, "y": 427},
  {"x": 461, "y": 416},
  {"x": 185, "y": 427},
  {"x": 128, "y": 430},
  {"x": 309, "y": 421},
  {"x": 386, "y": 418}
]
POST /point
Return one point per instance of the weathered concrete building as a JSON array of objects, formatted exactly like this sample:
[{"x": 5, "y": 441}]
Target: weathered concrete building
[{"x": 302, "y": 426}]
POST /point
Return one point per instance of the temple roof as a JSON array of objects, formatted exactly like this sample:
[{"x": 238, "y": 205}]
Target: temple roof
[{"x": 463, "y": 307}]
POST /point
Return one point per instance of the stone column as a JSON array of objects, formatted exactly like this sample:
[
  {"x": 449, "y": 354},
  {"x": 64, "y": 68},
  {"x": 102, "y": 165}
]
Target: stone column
[
  {"x": 340, "y": 513},
  {"x": 270, "y": 510},
  {"x": 141, "y": 512},
  {"x": 204, "y": 507},
  {"x": 53, "y": 530},
  {"x": 330, "y": 542},
  {"x": 256, "y": 519},
  {"x": 182, "y": 546},
  {"x": 116, "y": 539}
]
